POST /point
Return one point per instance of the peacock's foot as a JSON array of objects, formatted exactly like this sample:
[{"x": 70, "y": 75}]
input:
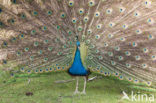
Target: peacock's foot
[
  {"x": 76, "y": 92},
  {"x": 83, "y": 92}
]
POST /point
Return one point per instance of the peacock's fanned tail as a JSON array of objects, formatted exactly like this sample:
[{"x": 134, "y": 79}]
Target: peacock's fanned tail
[{"x": 40, "y": 35}]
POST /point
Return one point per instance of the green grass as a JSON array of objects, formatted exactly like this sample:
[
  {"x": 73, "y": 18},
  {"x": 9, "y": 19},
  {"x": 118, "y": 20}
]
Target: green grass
[{"x": 45, "y": 90}]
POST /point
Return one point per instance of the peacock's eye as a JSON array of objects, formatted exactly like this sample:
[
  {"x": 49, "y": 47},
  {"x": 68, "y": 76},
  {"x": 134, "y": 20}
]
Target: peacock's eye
[
  {"x": 110, "y": 35},
  {"x": 97, "y": 14},
  {"x": 136, "y": 14},
  {"x": 46, "y": 41},
  {"x": 92, "y": 46},
  {"x": 22, "y": 68},
  {"x": 11, "y": 21},
  {"x": 99, "y": 26},
  {"x": 45, "y": 59},
  {"x": 85, "y": 19},
  {"x": 121, "y": 9},
  {"x": 89, "y": 31},
  {"x": 124, "y": 26},
  {"x": 59, "y": 53},
  {"x": 18, "y": 53},
  {"x": 150, "y": 36},
  {"x": 58, "y": 27},
  {"x": 33, "y": 32},
  {"x": 40, "y": 52},
  {"x": 121, "y": 77},
  {"x": 5, "y": 44},
  {"x": 149, "y": 83},
  {"x": 26, "y": 49},
  {"x": 44, "y": 28},
  {"x": 117, "y": 48},
  {"x": 111, "y": 24},
  {"x": 127, "y": 53},
  {"x": 36, "y": 71},
  {"x": 36, "y": 43},
  {"x": 153, "y": 57},
  {"x": 0, "y": 10},
  {"x": 47, "y": 69},
  {"x": 63, "y": 15},
  {"x": 65, "y": 46},
  {"x": 129, "y": 79},
  {"x": 14, "y": 1},
  {"x": 116, "y": 74},
  {"x": 109, "y": 11},
  {"x": 122, "y": 39},
  {"x": 97, "y": 36},
  {"x": 49, "y": 12},
  {"x": 147, "y": 3},
  {"x": 113, "y": 62},
  {"x": 74, "y": 20},
  {"x": 50, "y": 48},
  {"x": 136, "y": 81},
  {"x": 144, "y": 65},
  {"x": 137, "y": 57},
  {"x": 120, "y": 58},
  {"x": 23, "y": 16},
  {"x": 41, "y": 70},
  {"x": 100, "y": 57},
  {"x": 97, "y": 51},
  {"x": 145, "y": 50},
  {"x": 90, "y": 57},
  {"x": 80, "y": 28},
  {"x": 1, "y": 24},
  {"x": 128, "y": 65},
  {"x": 105, "y": 44},
  {"x": 150, "y": 21},
  {"x": 50, "y": 69},
  {"x": 4, "y": 61},
  {"x": 81, "y": 11},
  {"x": 69, "y": 32},
  {"x": 31, "y": 57},
  {"x": 134, "y": 44},
  {"x": 88, "y": 41},
  {"x": 13, "y": 39},
  {"x": 71, "y": 3},
  {"x": 35, "y": 13},
  {"x": 91, "y": 3},
  {"x": 138, "y": 31}
]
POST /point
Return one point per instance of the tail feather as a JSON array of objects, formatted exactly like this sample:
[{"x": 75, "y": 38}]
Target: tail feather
[{"x": 41, "y": 34}]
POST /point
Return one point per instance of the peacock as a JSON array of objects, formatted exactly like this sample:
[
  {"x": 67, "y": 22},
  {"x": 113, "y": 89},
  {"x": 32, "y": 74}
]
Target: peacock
[{"x": 80, "y": 37}]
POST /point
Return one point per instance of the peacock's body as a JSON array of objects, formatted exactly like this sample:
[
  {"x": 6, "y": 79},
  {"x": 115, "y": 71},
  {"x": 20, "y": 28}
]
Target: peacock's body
[
  {"x": 77, "y": 68},
  {"x": 117, "y": 37}
]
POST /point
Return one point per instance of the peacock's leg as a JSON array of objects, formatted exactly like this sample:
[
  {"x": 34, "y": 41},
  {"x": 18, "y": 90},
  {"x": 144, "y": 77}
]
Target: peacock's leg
[
  {"x": 84, "y": 89},
  {"x": 77, "y": 84},
  {"x": 29, "y": 80}
]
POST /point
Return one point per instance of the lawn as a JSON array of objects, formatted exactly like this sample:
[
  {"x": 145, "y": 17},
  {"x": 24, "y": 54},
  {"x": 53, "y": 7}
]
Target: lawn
[{"x": 45, "y": 90}]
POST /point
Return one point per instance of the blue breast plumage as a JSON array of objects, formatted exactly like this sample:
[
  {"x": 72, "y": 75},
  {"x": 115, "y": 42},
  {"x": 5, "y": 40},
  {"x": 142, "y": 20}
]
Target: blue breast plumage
[{"x": 77, "y": 67}]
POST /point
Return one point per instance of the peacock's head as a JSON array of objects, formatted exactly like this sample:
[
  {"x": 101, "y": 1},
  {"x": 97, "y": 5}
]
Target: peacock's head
[{"x": 78, "y": 43}]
